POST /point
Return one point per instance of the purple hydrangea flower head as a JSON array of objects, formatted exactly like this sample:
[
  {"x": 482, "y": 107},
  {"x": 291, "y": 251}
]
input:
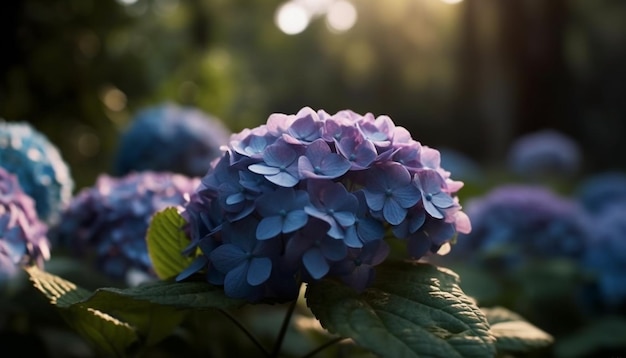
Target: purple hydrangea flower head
[
  {"x": 318, "y": 195},
  {"x": 544, "y": 153},
  {"x": 41, "y": 171},
  {"x": 23, "y": 238},
  {"x": 605, "y": 260},
  {"x": 110, "y": 219},
  {"x": 170, "y": 138},
  {"x": 514, "y": 224}
]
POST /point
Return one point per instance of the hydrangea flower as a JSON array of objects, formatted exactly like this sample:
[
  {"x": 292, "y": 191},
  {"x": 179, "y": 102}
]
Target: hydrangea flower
[
  {"x": 39, "y": 167},
  {"x": 514, "y": 223},
  {"x": 543, "y": 154},
  {"x": 23, "y": 238},
  {"x": 605, "y": 259},
  {"x": 109, "y": 220},
  {"x": 313, "y": 195},
  {"x": 601, "y": 191},
  {"x": 170, "y": 138}
]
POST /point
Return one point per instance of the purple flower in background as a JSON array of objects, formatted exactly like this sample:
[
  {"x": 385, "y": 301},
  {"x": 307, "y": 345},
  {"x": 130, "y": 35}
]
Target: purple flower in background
[
  {"x": 41, "y": 171},
  {"x": 605, "y": 259},
  {"x": 514, "y": 224},
  {"x": 543, "y": 154},
  {"x": 322, "y": 191},
  {"x": 111, "y": 218},
  {"x": 23, "y": 238},
  {"x": 601, "y": 191},
  {"x": 170, "y": 138}
]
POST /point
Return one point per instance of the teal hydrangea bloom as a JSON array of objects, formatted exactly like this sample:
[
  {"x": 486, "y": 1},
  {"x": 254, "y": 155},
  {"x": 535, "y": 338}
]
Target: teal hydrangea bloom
[
  {"x": 170, "y": 138},
  {"x": 39, "y": 167},
  {"x": 23, "y": 238}
]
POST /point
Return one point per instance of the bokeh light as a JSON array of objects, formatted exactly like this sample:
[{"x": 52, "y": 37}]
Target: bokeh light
[
  {"x": 341, "y": 16},
  {"x": 292, "y": 18}
]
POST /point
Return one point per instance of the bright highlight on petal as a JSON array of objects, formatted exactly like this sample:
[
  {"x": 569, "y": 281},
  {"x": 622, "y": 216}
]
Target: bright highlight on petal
[{"x": 451, "y": 1}]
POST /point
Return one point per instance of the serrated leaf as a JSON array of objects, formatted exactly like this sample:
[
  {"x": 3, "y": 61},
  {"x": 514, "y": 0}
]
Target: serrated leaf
[
  {"x": 411, "y": 310},
  {"x": 166, "y": 241},
  {"x": 513, "y": 333},
  {"x": 109, "y": 335}
]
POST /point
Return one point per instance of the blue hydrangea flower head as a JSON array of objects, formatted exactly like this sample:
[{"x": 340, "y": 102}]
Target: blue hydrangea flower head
[
  {"x": 109, "y": 220},
  {"x": 605, "y": 260},
  {"x": 39, "y": 167},
  {"x": 312, "y": 195},
  {"x": 600, "y": 191},
  {"x": 23, "y": 238},
  {"x": 170, "y": 138},
  {"x": 545, "y": 153},
  {"x": 513, "y": 224}
]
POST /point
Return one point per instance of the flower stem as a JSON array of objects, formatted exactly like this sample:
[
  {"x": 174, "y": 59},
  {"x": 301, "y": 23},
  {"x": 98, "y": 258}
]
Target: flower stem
[
  {"x": 252, "y": 338},
  {"x": 283, "y": 329},
  {"x": 323, "y": 346}
]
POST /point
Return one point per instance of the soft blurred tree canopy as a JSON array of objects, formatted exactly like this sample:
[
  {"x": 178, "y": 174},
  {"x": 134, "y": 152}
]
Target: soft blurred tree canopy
[{"x": 471, "y": 76}]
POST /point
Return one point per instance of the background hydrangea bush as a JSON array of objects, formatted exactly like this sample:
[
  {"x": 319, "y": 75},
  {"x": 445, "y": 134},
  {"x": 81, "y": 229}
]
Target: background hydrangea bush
[
  {"x": 23, "y": 239},
  {"x": 107, "y": 222},
  {"x": 170, "y": 137},
  {"x": 39, "y": 167}
]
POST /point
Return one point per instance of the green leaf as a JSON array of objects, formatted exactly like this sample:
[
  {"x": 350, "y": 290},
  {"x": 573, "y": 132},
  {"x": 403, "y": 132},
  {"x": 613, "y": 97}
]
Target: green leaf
[
  {"x": 110, "y": 336},
  {"x": 513, "y": 333},
  {"x": 411, "y": 310},
  {"x": 166, "y": 241},
  {"x": 147, "y": 313}
]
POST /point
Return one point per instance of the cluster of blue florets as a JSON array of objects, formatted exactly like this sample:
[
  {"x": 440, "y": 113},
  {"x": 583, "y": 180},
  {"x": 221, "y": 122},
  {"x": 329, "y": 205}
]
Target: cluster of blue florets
[
  {"x": 312, "y": 195},
  {"x": 170, "y": 138},
  {"x": 39, "y": 167},
  {"x": 23, "y": 238},
  {"x": 109, "y": 220}
]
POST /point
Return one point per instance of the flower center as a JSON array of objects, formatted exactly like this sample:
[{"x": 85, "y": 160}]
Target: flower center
[
  {"x": 358, "y": 262},
  {"x": 428, "y": 197},
  {"x": 282, "y": 212},
  {"x": 317, "y": 170},
  {"x": 388, "y": 193}
]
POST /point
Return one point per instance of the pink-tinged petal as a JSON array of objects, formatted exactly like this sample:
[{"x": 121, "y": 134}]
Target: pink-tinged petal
[
  {"x": 259, "y": 270},
  {"x": 430, "y": 158},
  {"x": 462, "y": 223}
]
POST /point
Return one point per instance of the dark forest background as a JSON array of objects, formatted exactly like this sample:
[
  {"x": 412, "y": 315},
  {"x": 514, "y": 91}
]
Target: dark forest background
[{"x": 470, "y": 76}]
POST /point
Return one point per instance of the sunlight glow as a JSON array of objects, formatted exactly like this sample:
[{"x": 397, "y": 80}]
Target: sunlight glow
[
  {"x": 292, "y": 18},
  {"x": 451, "y": 1},
  {"x": 127, "y": 2},
  {"x": 341, "y": 16}
]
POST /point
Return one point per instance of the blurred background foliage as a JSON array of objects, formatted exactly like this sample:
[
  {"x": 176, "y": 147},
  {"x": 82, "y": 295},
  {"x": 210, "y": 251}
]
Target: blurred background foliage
[{"x": 467, "y": 75}]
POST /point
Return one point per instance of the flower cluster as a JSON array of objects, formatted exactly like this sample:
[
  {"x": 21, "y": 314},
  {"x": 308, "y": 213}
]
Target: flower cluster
[
  {"x": 110, "y": 220},
  {"x": 312, "y": 195},
  {"x": 41, "y": 171},
  {"x": 543, "y": 154},
  {"x": 601, "y": 191},
  {"x": 605, "y": 260},
  {"x": 170, "y": 138},
  {"x": 512, "y": 224},
  {"x": 23, "y": 238}
]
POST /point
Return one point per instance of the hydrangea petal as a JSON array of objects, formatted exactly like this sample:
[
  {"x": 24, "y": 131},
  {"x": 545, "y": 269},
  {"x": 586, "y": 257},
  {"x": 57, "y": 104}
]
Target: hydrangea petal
[
  {"x": 269, "y": 227},
  {"x": 226, "y": 257},
  {"x": 259, "y": 270},
  {"x": 315, "y": 263},
  {"x": 295, "y": 220}
]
